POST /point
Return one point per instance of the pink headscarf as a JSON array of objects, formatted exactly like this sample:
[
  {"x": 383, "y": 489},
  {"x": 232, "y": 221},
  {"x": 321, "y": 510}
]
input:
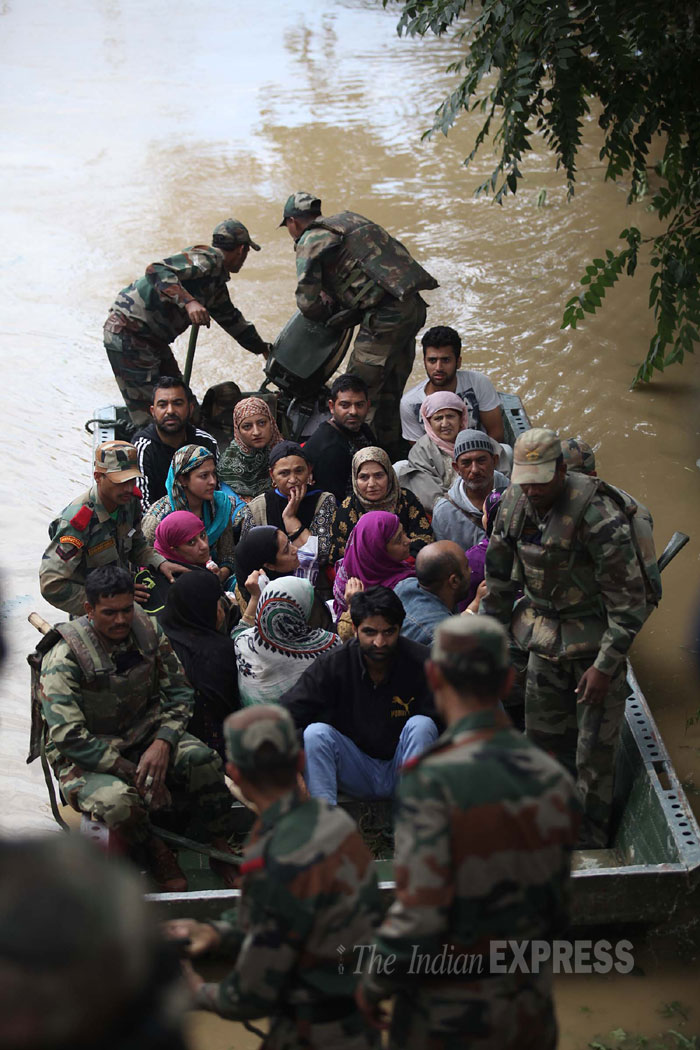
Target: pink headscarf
[
  {"x": 365, "y": 553},
  {"x": 432, "y": 404},
  {"x": 176, "y": 528}
]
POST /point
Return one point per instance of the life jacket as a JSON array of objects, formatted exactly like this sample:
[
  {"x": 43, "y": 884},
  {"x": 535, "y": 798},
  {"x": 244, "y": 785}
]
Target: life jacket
[
  {"x": 563, "y": 608},
  {"x": 130, "y": 690},
  {"x": 370, "y": 263}
]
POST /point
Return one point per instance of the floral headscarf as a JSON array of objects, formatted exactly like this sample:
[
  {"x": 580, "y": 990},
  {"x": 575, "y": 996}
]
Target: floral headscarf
[
  {"x": 246, "y": 469},
  {"x": 373, "y": 454}
]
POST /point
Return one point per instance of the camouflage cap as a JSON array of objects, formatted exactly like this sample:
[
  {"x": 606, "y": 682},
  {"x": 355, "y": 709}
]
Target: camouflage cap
[
  {"x": 535, "y": 455},
  {"x": 230, "y": 233},
  {"x": 474, "y": 441},
  {"x": 578, "y": 455},
  {"x": 301, "y": 204},
  {"x": 471, "y": 644},
  {"x": 247, "y": 730},
  {"x": 119, "y": 459}
]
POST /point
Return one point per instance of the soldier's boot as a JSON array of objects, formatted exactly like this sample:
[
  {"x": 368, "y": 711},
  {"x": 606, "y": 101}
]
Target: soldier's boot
[
  {"x": 163, "y": 867},
  {"x": 226, "y": 872}
]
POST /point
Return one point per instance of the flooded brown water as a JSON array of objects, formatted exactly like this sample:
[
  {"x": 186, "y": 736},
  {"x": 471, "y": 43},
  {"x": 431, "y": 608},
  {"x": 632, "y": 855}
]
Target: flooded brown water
[{"x": 130, "y": 130}]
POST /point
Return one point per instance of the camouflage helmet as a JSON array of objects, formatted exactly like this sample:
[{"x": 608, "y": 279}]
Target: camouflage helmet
[
  {"x": 247, "y": 730},
  {"x": 81, "y": 959},
  {"x": 300, "y": 205},
  {"x": 119, "y": 459},
  {"x": 535, "y": 456},
  {"x": 578, "y": 455},
  {"x": 476, "y": 645},
  {"x": 230, "y": 233}
]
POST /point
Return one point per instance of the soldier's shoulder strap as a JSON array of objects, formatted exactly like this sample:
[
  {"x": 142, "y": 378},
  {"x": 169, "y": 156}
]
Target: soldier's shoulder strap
[
  {"x": 343, "y": 222},
  {"x": 84, "y": 643},
  {"x": 145, "y": 632},
  {"x": 511, "y": 513},
  {"x": 641, "y": 526},
  {"x": 77, "y": 515}
]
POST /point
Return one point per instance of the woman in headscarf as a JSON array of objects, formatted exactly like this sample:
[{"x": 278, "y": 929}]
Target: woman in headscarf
[
  {"x": 376, "y": 487},
  {"x": 269, "y": 549},
  {"x": 277, "y": 648},
  {"x": 376, "y": 553},
  {"x": 293, "y": 505},
  {"x": 244, "y": 464},
  {"x": 429, "y": 470},
  {"x": 191, "y": 485},
  {"x": 194, "y": 620}
]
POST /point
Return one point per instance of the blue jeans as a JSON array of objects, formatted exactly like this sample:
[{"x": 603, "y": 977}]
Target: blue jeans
[{"x": 333, "y": 761}]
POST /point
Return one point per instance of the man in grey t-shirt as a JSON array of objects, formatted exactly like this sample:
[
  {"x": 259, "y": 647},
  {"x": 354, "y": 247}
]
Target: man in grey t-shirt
[{"x": 441, "y": 354}]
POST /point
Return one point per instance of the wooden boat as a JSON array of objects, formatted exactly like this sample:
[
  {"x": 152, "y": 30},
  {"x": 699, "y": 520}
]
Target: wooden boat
[{"x": 653, "y": 864}]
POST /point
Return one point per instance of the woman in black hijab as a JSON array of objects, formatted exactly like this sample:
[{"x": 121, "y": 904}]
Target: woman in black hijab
[
  {"x": 194, "y": 612},
  {"x": 270, "y": 549}
]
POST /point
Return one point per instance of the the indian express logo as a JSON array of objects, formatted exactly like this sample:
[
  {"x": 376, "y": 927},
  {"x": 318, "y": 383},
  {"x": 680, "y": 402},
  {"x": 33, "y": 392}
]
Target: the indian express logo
[{"x": 504, "y": 957}]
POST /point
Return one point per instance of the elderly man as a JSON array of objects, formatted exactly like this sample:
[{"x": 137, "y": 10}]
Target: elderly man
[
  {"x": 351, "y": 271},
  {"x": 440, "y": 584},
  {"x": 566, "y": 541},
  {"x": 116, "y": 704},
  {"x": 101, "y": 527},
  {"x": 458, "y": 515},
  {"x": 182, "y": 290},
  {"x": 485, "y": 825},
  {"x": 308, "y": 893}
]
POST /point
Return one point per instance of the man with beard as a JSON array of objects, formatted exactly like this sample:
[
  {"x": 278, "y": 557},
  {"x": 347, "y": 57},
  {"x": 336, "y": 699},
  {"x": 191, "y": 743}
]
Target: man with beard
[
  {"x": 457, "y": 516},
  {"x": 440, "y": 584},
  {"x": 171, "y": 429},
  {"x": 364, "y": 709},
  {"x": 442, "y": 348},
  {"x": 332, "y": 446}
]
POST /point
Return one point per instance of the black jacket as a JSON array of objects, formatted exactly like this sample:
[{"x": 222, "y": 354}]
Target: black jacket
[
  {"x": 155, "y": 458},
  {"x": 337, "y": 689},
  {"x": 331, "y": 450}
]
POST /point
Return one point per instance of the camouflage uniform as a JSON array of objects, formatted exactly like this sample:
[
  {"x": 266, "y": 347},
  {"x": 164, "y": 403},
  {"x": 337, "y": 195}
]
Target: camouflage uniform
[
  {"x": 85, "y": 536},
  {"x": 484, "y": 829},
  {"x": 585, "y": 603},
  {"x": 105, "y": 705},
  {"x": 372, "y": 280},
  {"x": 309, "y": 893},
  {"x": 150, "y": 313}
]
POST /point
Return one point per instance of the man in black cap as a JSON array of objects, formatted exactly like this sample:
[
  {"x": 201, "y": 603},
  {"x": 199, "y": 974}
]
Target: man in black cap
[
  {"x": 184, "y": 289},
  {"x": 350, "y": 271}
]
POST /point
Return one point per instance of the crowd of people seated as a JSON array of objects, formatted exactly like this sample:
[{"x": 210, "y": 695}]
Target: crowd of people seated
[{"x": 315, "y": 573}]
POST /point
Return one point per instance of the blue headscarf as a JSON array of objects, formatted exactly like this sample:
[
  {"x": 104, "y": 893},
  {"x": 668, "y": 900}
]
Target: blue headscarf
[{"x": 217, "y": 513}]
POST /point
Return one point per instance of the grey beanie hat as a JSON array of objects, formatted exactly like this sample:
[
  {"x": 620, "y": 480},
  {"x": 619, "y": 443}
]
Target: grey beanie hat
[{"x": 474, "y": 441}]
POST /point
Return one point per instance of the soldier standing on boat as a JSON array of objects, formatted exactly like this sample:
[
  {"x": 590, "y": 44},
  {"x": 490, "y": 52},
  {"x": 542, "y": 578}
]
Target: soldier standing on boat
[
  {"x": 351, "y": 271},
  {"x": 566, "y": 541},
  {"x": 101, "y": 527},
  {"x": 308, "y": 893},
  {"x": 485, "y": 825},
  {"x": 116, "y": 704},
  {"x": 185, "y": 289}
]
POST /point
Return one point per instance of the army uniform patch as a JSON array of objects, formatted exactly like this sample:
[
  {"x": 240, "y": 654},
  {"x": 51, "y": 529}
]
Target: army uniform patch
[{"x": 99, "y": 547}]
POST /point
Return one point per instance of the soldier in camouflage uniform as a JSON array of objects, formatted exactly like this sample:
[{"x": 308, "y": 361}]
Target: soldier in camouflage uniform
[
  {"x": 565, "y": 540},
  {"x": 351, "y": 271},
  {"x": 184, "y": 289},
  {"x": 101, "y": 527},
  {"x": 309, "y": 893},
  {"x": 116, "y": 703},
  {"x": 485, "y": 825},
  {"x": 81, "y": 964}
]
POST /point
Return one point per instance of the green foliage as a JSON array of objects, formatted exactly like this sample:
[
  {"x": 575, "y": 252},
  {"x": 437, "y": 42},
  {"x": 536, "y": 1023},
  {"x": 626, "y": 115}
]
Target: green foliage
[{"x": 532, "y": 67}]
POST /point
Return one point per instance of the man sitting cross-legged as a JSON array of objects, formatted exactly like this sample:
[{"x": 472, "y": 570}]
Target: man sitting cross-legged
[
  {"x": 116, "y": 703},
  {"x": 365, "y": 709}
]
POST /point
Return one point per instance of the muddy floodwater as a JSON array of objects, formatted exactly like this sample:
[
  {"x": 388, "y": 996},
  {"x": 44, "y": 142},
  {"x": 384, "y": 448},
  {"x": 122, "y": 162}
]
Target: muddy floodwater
[{"x": 129, "y": 130}]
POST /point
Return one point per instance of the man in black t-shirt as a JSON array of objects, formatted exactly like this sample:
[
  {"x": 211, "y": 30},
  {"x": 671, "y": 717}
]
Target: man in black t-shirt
[
  {"x": 157, "y": 443},
  {"x": 333, "y": 444},
  {"x": 364, "y": 709}
]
